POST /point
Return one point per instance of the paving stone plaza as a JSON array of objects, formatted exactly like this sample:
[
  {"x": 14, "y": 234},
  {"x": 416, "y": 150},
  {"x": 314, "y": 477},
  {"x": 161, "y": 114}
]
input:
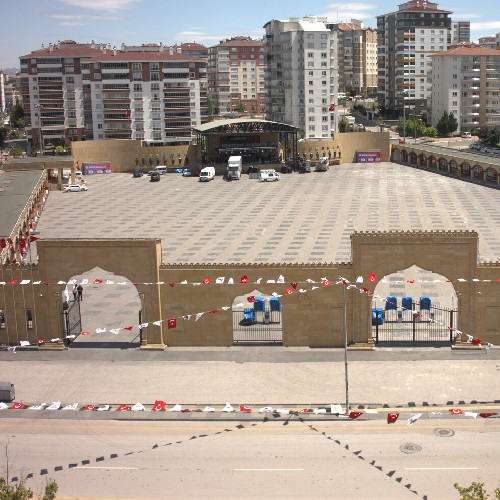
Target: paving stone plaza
[{"x": 303, "y": 218}]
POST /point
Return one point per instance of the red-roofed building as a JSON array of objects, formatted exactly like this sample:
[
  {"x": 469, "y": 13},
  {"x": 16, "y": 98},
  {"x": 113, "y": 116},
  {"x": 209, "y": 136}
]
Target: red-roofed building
[
  {"x": 152, "y": 93},
  {"x": 466, "y": 82},
  {"x": 406, "y": 39}
]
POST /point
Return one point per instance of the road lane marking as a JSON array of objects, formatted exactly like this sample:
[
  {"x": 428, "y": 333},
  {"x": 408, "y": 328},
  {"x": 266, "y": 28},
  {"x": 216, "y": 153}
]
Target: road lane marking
[
  {"x": 113, "y": 468},
  {"x": 269, "y": 469},
  {"x": 440, "y": 468}
]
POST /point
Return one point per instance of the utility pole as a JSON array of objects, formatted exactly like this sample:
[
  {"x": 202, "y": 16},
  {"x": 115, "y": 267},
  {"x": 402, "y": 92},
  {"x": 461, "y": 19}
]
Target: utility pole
[
  {"x": 40, "y": 107},
  {"x": 345, "y": 351}
]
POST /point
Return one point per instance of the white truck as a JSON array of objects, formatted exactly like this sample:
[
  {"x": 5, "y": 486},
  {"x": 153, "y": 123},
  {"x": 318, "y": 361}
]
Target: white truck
[
  {"x": 323, "y": 164},
  {"x": 207, "y": 174},
  {"x": 269, "y": 176},
  {"x": 234, "y": 167}
]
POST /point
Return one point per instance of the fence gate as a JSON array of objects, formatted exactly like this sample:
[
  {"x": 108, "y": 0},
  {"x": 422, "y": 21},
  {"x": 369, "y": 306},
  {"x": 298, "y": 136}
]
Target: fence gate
[
  {"x": 415, "y": 324},
  {"x": 258, "y": 324},
  {"x": 72, "y": 320}
]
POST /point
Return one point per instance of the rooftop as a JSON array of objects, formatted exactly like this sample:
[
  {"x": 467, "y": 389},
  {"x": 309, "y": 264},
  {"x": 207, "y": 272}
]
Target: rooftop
[{"x": 467, "y": 49}]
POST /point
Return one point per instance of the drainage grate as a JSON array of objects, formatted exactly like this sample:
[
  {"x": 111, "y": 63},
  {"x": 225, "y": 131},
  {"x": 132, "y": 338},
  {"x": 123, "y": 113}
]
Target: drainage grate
[
  {"x": 444, "y": 432},
  {"x": 410, "y": 448}
]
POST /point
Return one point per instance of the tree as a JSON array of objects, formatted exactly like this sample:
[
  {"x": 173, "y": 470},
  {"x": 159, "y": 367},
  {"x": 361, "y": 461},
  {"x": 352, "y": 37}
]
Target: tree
[
  {"x": 240, "y": 107},
  {"x": 452, "y": 123},
  {"x": 493, "y": 137},
  {"x": 17, "y": 116},
  {"x": 228, "y": 108},
  {"x": 431, "y": 132},
  {"x": 210, "y": 107},
  {"x": 482, "y": 134},
  {"x": 16, "y": 152},
  {"x": 475, "y": 491},
  {"x": 343, "y": 125},
  {"x": 4, "y": 132},
  {"x": 59, "y": 150},
  {"x": 253, "y": 108},
  {"x": 447, "y": 124}
]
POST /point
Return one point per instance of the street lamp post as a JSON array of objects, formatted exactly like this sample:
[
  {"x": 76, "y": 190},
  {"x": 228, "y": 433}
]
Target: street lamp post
[
  {"x": 404, "y": 117},
  {"x": 345, "y": 350},
  {"x": 40, "y": 107}
]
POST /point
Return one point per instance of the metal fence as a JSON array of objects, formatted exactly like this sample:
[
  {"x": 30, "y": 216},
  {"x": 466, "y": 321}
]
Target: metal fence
[
  {"x": 72, "y": 324},
  {"x": 433, "y": 324},
  {"x": 267, "y": 327}
]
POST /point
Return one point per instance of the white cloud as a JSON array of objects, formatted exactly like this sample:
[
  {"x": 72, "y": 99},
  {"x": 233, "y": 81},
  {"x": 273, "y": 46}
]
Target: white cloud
[
  {"x": 197, "y": 35},
  {"x": 80, "y": 17},
  {"x": 350, "y": 10},
  {"x": 485, "y": 26},
  {"x": 69, "y": 23},
  {"x": 103, "y": 5}
]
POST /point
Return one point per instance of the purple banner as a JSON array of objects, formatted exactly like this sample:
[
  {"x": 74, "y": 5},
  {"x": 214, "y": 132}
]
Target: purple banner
[
  {"x": 96, "y": 168},
  {"x": 368, "y": 157}
]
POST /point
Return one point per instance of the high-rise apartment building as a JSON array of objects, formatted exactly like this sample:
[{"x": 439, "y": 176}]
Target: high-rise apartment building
[
  {"x": 301, "y": 76},
  {"x": 406, "y": 39},
  {"x": 74, "y": 91},
  {"x": 2, "y": 91},
  {"x": 460, "y": 32},
  {"x": 236, "y": 73},
  {"x": 357, "y": 57},
  {"x": 488, "y": 42},
  {"x": 466, "y": 82}
]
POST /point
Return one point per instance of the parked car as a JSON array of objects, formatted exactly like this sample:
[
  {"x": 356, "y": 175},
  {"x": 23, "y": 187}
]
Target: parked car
[
  {"x": 137, "y": 172},
  {"x": 155, "y": 177},
  {"x": 75, "y": 187},
  {"x": 466, "y": 135},
  {"x": 269, "y": 176},
  {"x": 160, "y": 169}
]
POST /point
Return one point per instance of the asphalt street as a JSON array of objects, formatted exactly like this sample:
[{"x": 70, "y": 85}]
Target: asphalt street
[{"x": 266, "y": 459}]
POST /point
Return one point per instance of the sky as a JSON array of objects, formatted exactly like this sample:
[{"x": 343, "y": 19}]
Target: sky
[{"x": 28, "y": 23}]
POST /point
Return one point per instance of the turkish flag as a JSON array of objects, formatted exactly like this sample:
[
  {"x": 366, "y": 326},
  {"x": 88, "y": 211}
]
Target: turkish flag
[
  {"x": 355, "y": 414},
  {"x": 289, "y": 291},
  {"x": 172, "y": 285},
  {"x": 90, "y": 408},
  {"x": 97, "y": 282},
  {"x": 244, "y": 279},
  {"x": 456, "y": 411},
  {"x": 367, "y": 291},
  {"x": 17, "y": 406},
  {"x": 158, "y": 406},
  {"x": 294, "y": 285},
  {"x": 3, "y": 243},
  {"x": 213, "y": 311},
  {"x": 326, "y": 283},
  {"x": 127, "y": 113},
  {"x": 251, "y": 298},
  {"x": 123, "y": 408},
  {"x": 476, "y": 341},
  {"x": 401, "y": 141},
  {"x": 245, "y": 408},
  {"x": 392, "y": 417},
  {"x": 85, "y": 333},
  {"x": 172, "y": 323},
  {"x": 486, "y": 415},
  {"x": 129, "y": 328},
  {"x": 372, "y": 278},
  {"x": 12, "y": 282},
  {"x": 206, "y": 281},
  {"x": 22, "y": 243},
  {"x": 332, "y": 107}
]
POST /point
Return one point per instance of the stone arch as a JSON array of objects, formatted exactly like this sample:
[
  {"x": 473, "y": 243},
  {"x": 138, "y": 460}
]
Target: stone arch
[
  {"x": 396, "y": 155},
  {"x": 491, "y": 176},
  {"x": 465, "y": 170},
  {"x": 423, "y": 159},
  {"x": 413, "y": 157},
  {"x": 443, "y": 164},
  {"x": 453, "y": 167},
  {"x": 432, "y": 162},
  {"x": 404, "y": 155},
  {"x": 478, "y": 172},
  {"x": 111, "y": 305},
  {"x": 259, "y": 321}
]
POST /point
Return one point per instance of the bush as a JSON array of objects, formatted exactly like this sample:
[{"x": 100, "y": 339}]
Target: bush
[
  {"x": 16, "y": 152},
  {"x": 431, "y": 132}
]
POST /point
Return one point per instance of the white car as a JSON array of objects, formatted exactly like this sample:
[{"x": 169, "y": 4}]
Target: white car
[{"x": 75, "y": 187}]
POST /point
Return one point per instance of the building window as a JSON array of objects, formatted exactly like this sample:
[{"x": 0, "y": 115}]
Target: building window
[
  {"x": 137, "y": 87},
  {"x": 155, "y": 86},
  {"x": 97, "y": 76},
  {"x": 137, "y": 76},
  {"x": 154, "y": 76},
  {"x": 29, "y": 319},
  {"x": 136, "y": 66},
  {"x": 2, "y": 318},
  {"x": 154, "y": 66}
]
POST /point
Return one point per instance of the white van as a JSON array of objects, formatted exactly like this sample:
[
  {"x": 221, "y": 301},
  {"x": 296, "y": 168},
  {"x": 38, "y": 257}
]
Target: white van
[
  {"x": 161, "y": 169},
  {"x": 207, "y": 174},
  {"x": 269, "y": 176}
]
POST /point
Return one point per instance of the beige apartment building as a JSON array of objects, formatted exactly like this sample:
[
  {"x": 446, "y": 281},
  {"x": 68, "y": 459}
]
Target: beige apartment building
[
  {"x": 357, "y": 57},
  {"x": 466, "y": 82}
]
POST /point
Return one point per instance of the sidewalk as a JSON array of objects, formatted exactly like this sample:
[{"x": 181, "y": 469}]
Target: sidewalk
[{"x": 259, "y": 376}]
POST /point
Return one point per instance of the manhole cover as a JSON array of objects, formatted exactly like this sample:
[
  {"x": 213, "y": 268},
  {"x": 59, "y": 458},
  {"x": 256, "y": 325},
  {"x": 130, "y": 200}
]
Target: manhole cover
[
  {"x": 410, "y": 448},
  {"x": 444, "y": 432}
]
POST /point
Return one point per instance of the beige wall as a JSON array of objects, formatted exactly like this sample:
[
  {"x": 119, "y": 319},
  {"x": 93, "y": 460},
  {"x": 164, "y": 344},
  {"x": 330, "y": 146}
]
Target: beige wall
[{"x": 314, "y": 318}]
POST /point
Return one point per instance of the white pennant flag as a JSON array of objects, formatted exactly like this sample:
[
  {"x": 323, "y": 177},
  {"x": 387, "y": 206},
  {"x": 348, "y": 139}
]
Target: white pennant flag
[
  {"x": 471, "y": 414},
  {"x": 319, "y": 410},
  {"x": 196, "y": 284},
  {"x": 187, "y": 317},
  {"x": 70, "y": 336},
  {"x": 302, "y": 290},
  {"x": 74, "y": 406},
  {"x": 12, "y": 348},
  {"x": 271, "y": 281},
  {"x": 336, "y": 409},
  {"x": 314, "y": 287},
  {"x": 184, "y": 282},
  {"x": 283, "y": 412},
  {"x": 281, "y": 279},
  {"x": 37, "y": 407},
  {"x": 24, "y": 343},
  {"x": 116, "y": 331},
  {"x": 275, "y": 294},
  {"x": 198, "y": 316},
  {"x": 25, "y": 282},
  {"x": 239, "y": 304},
  {"x": 413, "y": 418},
  {"x": 109, "y": 282},
  {"x": 228, "y": 407},
  {"x": 100, "y": 330},
  {"x": 371, "y": 411},
  {"x": 461, "y": 279},
  {"x": 230, "y": 281},
  {"x": 103, "y": 408},
  {"x": 309, "y": 280},
  {"x": 258, "y": 281},
  {"x": 160, "y": 283},
  {"x": 469, "y": 337},
  {"x": 138, "y": 407},
  {"x": 34, "y": 282},
  {"x": 266, "y": 409},
  {"x": 61, "y": 282},
  {"x": 383, "y": 280},
  {"x": 54, "y": 406},
  {"x": 143, "y": 325},
  {"x": 122, "y": 283},
  {"x": 225, "y": 308},
  {"x": 3, "y": 406},
  {"x": 158, "y": 323},
  {"x": 85, "y": 282},
  {"x": 208, "y": 408},
  {"x": 359, "y": 279},
  {"x": 72, "y": 282},
  {"x": 220, "y": 280},
  {"x": 176, "y": 407}
]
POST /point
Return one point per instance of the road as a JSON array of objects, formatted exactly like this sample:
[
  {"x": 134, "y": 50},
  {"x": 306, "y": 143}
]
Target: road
[{"x": 96, "y": 459}]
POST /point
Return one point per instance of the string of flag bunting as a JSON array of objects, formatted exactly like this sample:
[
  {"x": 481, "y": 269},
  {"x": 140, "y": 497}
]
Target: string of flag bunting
[
  {"x": 160, "y": 406},
  {"x": 172, "y": 322}
]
